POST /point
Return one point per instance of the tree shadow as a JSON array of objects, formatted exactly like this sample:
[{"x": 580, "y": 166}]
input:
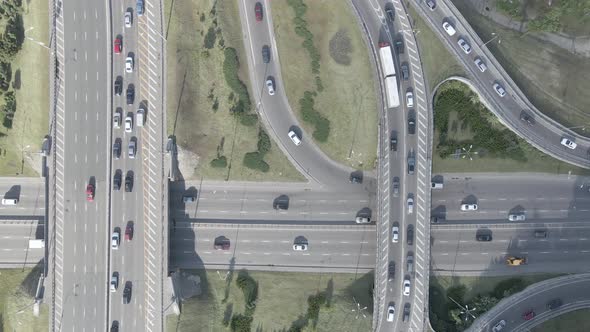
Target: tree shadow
[{"x": 16, "y": 84}]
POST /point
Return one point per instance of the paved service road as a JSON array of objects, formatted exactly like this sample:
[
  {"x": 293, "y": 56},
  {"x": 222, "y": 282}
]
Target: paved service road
[
  {"x": 566, "y": 248},
  {"x": 29, "y": 191},
  {"x": 539, "y": 196},
  {"x": 331, "y": 248},
  {"x": 250, "y": 201},
  {"x": 572, "y": 290},
  {"x": 544, "y": 133}
]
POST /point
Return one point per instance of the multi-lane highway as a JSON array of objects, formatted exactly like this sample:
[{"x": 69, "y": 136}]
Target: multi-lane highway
[
  {"x": 339, "y": 248},
  {"x": 539, "y": 196},
  {"x": 257, "y": 202},
  {"x": 30, "y": 193},
  {"x": 544, "y": 133},
  {"x": 15, "y": 236}
]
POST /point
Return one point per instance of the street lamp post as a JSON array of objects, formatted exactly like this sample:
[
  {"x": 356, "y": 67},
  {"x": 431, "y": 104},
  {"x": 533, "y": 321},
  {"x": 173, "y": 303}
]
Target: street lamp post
[{"x": 492, "y": 39}]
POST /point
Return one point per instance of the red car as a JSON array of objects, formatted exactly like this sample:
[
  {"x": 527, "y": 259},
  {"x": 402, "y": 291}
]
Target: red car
[
  {"x": 258, "y": 11},
  {"x": 118, "y": 45},
  {"x": 90, "y": 193},
  {"x": 528, "y": 315},
  {"x": 129, "y": 231}
]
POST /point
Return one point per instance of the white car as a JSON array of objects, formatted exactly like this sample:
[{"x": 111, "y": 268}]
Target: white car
[
  {"x": 363, "y": 220},
  {"x": 449, "y": 28},
  {"x": 410, "y": 205},
  {"x": 115, "y": 241},
  {"x": 390, "y": 312},
  {"x": 431, "y": 4},
  {"x": 407, "y": 285},
  {"x": 568, "y": 143},
  {"x": 129, "y": 65},
  {"x": 479, "y": 63},
  {"x": 409, "y": 99},
  {"x": 468, "y": 207},
  {"x": 300, "y": 247},
  {"x": 296, "y": 140},
  {"x": 128, "y": 124},
  {"x": 114, "y": 282},
  {"x": 117, "y": 119},
  {"x": 270, "y": 86},
  {"x": 464, "y": 45},
  {"x": 516, "y": 217},
  {"x": 128, "y": 18},
  {"x": 499, "y": 326},
  {"x": 394, "y": 234},
  {"x": 499, "y": 90}
]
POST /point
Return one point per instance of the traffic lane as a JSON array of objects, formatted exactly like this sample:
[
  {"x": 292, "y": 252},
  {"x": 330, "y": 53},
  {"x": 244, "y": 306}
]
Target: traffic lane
[
  {"x": 569, "y": 293},
  {"x": 501, "y": 213},
  {"x": 546, "y": 134}
]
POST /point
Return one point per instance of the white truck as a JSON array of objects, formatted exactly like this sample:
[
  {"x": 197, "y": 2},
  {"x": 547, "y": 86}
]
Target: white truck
[
  {"x": 36, "y": 244},
  {"x": 388, "y": 69}
]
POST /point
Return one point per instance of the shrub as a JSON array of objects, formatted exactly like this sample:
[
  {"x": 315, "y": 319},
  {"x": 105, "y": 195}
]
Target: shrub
[
  {"x": 210, "y": 37},
  {"x": 510, "y": 7},
  {"x": 548, "y": 22},
  {"x": 301, "y": 30},
  {"x": 263, "y": 142},
  {"x": 241, "y": 323},
  {"x": 231, "y": 66},
  {"x": 219, "y": 162},
  {"x": 309, "y": 114},
  {"x": 248, "y": 120},
  {"x": 9, "y": 109},
  {"x": 253, "y": 160}
]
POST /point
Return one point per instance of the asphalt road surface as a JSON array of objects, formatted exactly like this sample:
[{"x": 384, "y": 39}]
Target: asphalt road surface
[
  {"x": 572, "y": 290},
  {"x": 85, "y": 154},
  {"x": 540, "y": 197},
  {"x": 331, "y": 248},
  {"x": 304, "y": 202},
  {"x": 15, "y": 238},
  {"x": 565, "y": 249},
  {"x": 544, "y": 133},
  {"x": 31, "y": 195}
]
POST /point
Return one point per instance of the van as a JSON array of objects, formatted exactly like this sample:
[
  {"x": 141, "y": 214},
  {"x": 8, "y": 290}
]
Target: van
[
  {"x": 139, "y": 117},
  {"x": 436, "y": 185},
  {"x": 9, "y": 201}
]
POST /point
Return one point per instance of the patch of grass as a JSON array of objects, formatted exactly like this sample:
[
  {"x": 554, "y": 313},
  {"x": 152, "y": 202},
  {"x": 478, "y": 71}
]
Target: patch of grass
[
  {"x": 200, "y": 99},
  {"x": 352, "y": 114},
  {"x": 17, "y": 291},
  {"x": 575, "y": 321},
  {"x": 30, "y": 69},
  {"x": 283, "y": 302},
  {"x": 553, "y": 79},
  {"x": 437, "y": 62},
  {"x": 462, "y": 122},
  {"x": 470, "y": 289},
  {"x": 568, "y": 16},
  {"x": 512, "y": 8}
]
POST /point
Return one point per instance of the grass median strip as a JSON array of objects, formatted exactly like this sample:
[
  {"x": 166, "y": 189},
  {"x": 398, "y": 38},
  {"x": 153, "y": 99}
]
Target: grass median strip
[
  {"x": 276, "y": 301},
  {"x": 209, "y": 106},
  {"x": 328, "y": 77}
]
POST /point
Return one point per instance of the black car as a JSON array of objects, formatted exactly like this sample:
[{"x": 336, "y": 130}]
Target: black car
[
  {"x": 393, "y": 141},
  {"x": 410, "y": 235},
  {"x": 405, "y": 71},
  {"x": 390, "y": 13},
  {"x": 130, "y": 94},
  {"x": 117, "y": 148},
  {"x": 399, "y": 46},
  {"x": 483, "y": 237},
  {"x": 127, "y": 293},
  {"x": 356, "y": 178},
  {"x": 554, "y": 304},
  {"x": 391, "y": 270},
  {"x": 411, "y": 124},
  {"x": 265, "y": 54},
  {"x": 406, "y": 312},
  {"x": 411, "y": 164},
  {"x": 526, "y": 118},
  {"x": 117, "y": 180},
  {"x": 119, "y": 85},
  {"x": 280, "y": 205},
  {"x": 129, "y": 182},
  {"x": 115, "y": 326}
]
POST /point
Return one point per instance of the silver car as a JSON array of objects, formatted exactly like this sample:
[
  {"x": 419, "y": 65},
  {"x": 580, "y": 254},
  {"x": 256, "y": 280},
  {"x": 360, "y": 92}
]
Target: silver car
[
  {"x": 464, "y": 45},
  {"x": 270, "y": 86}
]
